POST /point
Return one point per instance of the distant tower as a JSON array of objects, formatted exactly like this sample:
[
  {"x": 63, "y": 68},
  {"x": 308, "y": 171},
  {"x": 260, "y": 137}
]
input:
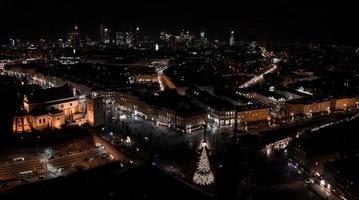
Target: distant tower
[
  {"x": 203, "y": 37},
  {"x": 163, "y": 36},
  {"x": 120, "y": 39},
  {"x": 231, "y": 39},
  {"x": 60, "y": 43},
  {"x": 95, "y": 111},
  {"x": 104, "y": 34},
  {"x": 129, "y": 39},
  {"x": 12, "y": 43},
  {"x": 107, "y": 38},
  {"x": 74, "y": 37},
  {"x": 137, "y": 37},
  {"x": 157, "y": 47}
]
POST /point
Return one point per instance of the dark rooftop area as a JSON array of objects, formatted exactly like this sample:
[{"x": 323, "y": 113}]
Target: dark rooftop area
[
  {"x": 51, "y": 94},
  {"x": 210, "y": 100}
]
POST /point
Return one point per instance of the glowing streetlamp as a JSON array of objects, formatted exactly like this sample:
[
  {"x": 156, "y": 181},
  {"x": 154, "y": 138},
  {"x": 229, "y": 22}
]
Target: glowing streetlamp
[
  {"x": 128, "y": 140},
  {"x": 292, "y": 114},
  {"x": 269, "y": 122},
  {"x": 322, "y": 183},
  {"x": 357, "y": 104}
]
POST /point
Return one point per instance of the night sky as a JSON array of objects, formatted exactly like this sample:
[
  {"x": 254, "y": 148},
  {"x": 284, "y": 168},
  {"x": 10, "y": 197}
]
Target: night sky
[{"x": 282, "y": 20}]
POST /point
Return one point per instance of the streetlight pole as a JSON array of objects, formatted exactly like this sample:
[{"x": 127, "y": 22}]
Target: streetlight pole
[{"x": 204, "y": 142}]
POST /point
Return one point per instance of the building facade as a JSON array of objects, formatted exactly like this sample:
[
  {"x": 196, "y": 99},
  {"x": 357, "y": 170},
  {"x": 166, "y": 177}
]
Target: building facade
[
  {"x": 50, "y": 109},
  {"x": 95, "y": 111}
]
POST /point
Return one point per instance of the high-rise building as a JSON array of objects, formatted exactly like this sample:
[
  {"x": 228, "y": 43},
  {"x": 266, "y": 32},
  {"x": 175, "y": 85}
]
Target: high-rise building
[
  {"x": 107, "y": 38},
  {"x": 60, "y": 43},
  {"x": 232, "y": 39},
  {"x": 137, "y": 37},
  {"x": 163, "y": 36},
  {"x": 120, "y": 39},
  {"x": 203, "y": 37},
  {"x": 42, "y": 43},
  {"x": 104, "y": 34},
  {"x": 157, "y": 47},
  {"x": 12, "y": 43},
  {"x": 74, "y": 37},
  {"x": 17, "y": 42},
  {"x": 129, "y": 39}
]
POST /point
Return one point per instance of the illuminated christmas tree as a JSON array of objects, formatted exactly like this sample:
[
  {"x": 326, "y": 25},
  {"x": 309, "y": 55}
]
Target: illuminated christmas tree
[{"x": 203, "y": 175}]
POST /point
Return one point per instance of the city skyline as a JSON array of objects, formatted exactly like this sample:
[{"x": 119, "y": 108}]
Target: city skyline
[
  {"x": 203, "y": 100},
  {"x": 269, "y": 21}
]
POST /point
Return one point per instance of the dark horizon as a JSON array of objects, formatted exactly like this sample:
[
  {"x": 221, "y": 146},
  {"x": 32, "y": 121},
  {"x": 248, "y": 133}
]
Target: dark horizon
[{"x": 282, "y": 20}]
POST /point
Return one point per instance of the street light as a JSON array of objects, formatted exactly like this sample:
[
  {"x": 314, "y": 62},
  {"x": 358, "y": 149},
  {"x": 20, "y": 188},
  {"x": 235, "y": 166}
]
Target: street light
[
  {"x": 322, "y": 183},
  {"x": 292, "y": 114},
  {"x": 269, "y": 124},
  {"x": 128, "y": 140}
]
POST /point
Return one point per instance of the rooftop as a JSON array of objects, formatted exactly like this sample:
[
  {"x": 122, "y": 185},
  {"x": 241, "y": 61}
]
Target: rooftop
[
  {"x": 51, "y": 94},
  {"x": 170, "y": 99},
  {"x": 209, "y": 99}
]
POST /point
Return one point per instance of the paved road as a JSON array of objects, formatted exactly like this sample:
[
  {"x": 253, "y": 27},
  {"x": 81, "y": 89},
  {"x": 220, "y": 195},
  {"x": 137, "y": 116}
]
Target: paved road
[
  {"x": 69, "y": 160},
  {"x": 275, "y": 180},
  {"x": 13, "y": 169}
]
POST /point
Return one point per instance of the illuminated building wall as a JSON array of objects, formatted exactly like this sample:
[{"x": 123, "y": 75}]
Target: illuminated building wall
[
  {"x": 21, "y": 124},
  {"x": 95, "y": 111},
  {"x": 253, "y": 115},
  {"x": 190, "y": 123},
  {"x": 50, "y": 108},
  {"x": 307, "y": 109},
  {"x": 28, "y": 123},
  {"x": 344, "y": 103},
  {"x": 163, "y": 116},
  {"x": 146, "y": 78}
]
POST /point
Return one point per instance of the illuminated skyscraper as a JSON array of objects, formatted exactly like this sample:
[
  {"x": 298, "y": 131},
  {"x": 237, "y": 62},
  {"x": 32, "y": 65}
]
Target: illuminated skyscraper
[
  {"x": 107, "y": 36},
  {"x": 231, "y": 39},
  {"x": 60, "y": 43},
  {"x": 74, "y": 37},
  {"x": 104, "y": 34},
  {"x": 203, "y": 37},
  {"x": 163, "y": 35},
  {"x": 12, "y": 43},
  {"x": 157, "y": 47},
  {"x": 137, "y": 37}
]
